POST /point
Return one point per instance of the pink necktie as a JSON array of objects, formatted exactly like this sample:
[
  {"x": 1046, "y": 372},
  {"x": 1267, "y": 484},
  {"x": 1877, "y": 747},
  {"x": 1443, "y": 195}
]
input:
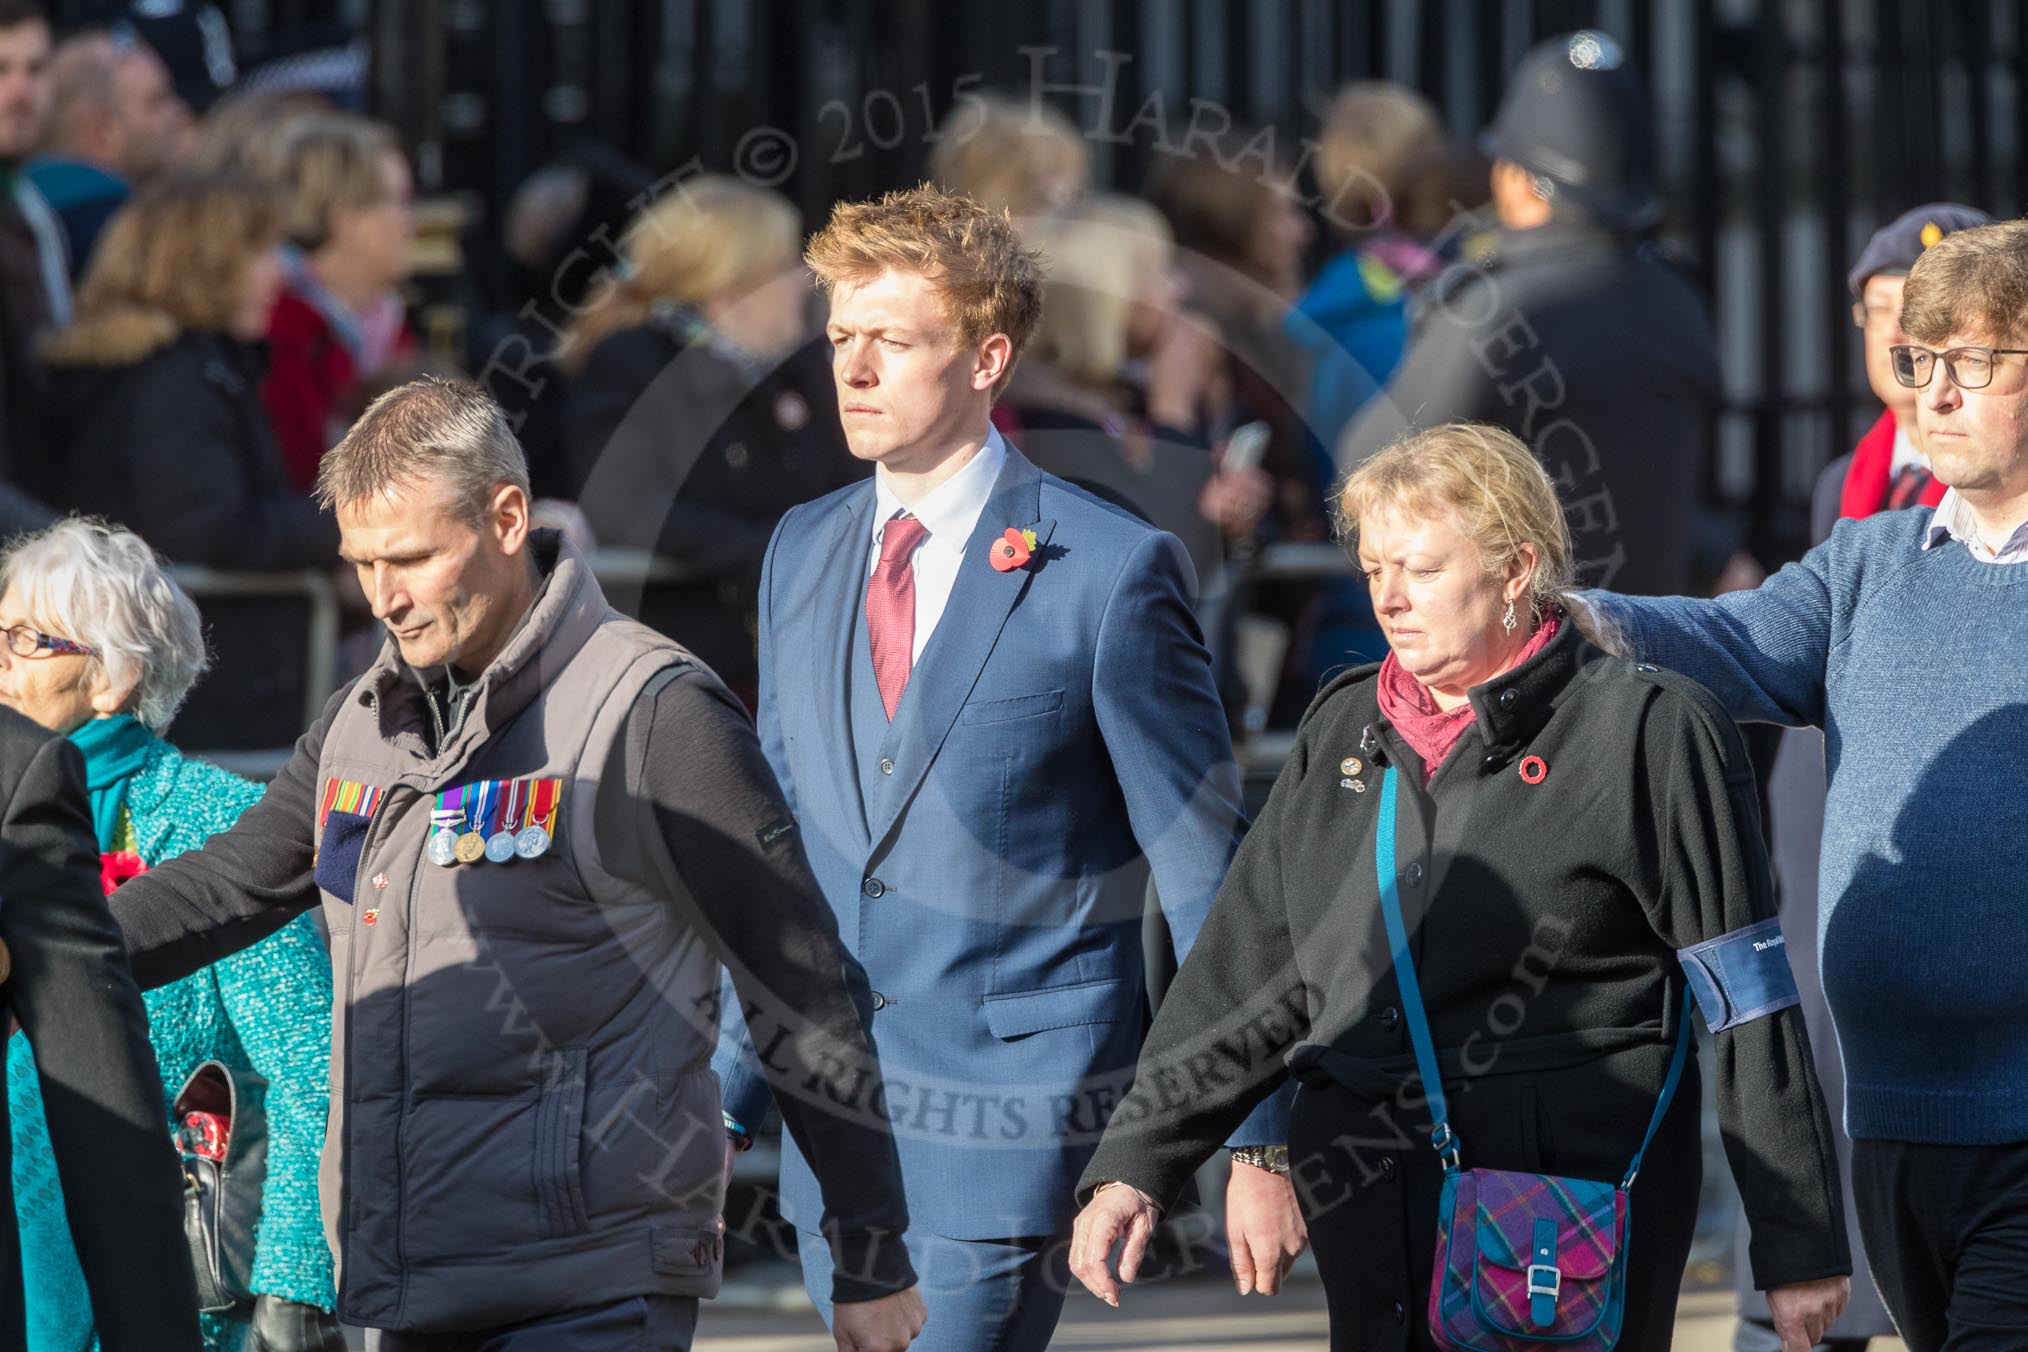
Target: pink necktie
[{"x": 890, "y": 608}]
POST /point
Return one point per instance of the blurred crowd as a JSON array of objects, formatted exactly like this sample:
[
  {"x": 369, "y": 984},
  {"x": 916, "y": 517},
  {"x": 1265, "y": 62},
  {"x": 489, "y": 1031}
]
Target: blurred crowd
[{"x": 198, "y": 303}]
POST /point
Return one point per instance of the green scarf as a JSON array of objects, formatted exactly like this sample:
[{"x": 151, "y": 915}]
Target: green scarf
[{"x": 114, "y": 748}]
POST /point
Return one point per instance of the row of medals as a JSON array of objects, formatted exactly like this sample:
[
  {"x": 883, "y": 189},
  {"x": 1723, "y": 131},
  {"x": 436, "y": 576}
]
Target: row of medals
[{"x": 448, "y": 847}]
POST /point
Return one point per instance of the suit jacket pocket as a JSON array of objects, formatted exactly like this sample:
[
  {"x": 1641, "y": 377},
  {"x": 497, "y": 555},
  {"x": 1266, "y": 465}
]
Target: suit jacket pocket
[
  {"x": 1007, "y": 710},
  {"x": 1019, "y": 1013},
  {"x": 338, "y": 850}
]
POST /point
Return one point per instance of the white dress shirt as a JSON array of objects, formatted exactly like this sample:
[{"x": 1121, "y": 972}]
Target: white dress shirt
[
  {"x": 1953, "y": 521},
  {"x": 948, "y": 512}
]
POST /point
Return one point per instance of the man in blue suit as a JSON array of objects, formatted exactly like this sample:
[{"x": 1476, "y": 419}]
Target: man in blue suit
[{"x": 986, "y": 697}]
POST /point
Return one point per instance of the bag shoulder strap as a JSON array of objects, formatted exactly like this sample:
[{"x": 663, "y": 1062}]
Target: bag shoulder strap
[
  {"x": 1676, "y": 1062},
  {"x": 1442, "y": 1138}
]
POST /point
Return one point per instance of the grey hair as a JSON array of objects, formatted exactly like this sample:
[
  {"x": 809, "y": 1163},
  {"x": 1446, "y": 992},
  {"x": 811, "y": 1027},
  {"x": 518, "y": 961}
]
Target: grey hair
[
  {"x": 102, "y": 586},
  {"x": 431, "y": 429}
]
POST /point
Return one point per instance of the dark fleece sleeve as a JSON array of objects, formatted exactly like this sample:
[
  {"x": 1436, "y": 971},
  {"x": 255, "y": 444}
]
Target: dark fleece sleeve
[
  {"x": 695, "y": 815},
  {"x": 244, "y": 884},
  {"x": 101, "y": 1089},
  {"x": 1176, "y": 1114},
  {"x": 1709, "y": 876}
]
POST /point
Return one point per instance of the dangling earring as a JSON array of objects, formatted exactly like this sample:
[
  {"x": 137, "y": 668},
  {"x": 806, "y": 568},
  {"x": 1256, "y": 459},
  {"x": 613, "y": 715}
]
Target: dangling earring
[{"x": 1507, "y": 621}]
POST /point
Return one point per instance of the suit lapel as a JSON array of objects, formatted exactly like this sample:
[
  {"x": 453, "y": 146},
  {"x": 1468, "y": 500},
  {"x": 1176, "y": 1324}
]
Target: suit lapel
[
  {"x": 840, "y": 553},
  {"x": 981, "y": 600}
]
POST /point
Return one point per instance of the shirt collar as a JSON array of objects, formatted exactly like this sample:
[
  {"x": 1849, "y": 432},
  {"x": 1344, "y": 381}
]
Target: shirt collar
[
  {"x": 1952, "y": 520},
  {"x": 951, "y": 509}
]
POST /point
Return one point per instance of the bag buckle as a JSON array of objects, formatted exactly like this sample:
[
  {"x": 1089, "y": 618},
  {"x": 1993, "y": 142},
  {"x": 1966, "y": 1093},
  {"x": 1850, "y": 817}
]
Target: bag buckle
[
  {"x": 1448, "y": 1148},
  {"x": 1551, "y": 1285}
]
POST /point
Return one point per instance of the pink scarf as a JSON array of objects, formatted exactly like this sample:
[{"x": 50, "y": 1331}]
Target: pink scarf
[{"x": 1429, "y": 731}]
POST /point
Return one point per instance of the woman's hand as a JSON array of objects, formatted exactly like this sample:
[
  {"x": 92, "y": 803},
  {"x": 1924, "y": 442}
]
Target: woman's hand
[
  {"x": 1804, "y": 1310},
  {"x": 1116, "y": 1215}
]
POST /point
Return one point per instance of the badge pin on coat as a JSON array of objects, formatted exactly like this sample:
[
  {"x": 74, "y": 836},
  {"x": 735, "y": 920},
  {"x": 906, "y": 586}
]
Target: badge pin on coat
[{"x": 1352, "y": 767}]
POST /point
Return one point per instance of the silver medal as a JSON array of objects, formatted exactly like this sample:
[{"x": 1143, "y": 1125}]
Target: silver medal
[
  {"x": 532, "y": 843},
  {"x": 443, "y": 849},
  {"x": 500, "y": 846}
]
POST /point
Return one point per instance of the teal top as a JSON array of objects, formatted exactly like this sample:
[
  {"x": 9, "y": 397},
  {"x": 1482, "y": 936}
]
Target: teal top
[
  {"x": 266, "y": 1009},
  {"x": 114, "y": 750}
]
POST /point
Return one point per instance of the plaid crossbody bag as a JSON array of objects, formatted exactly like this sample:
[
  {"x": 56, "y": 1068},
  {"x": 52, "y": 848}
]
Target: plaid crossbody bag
[{"x": 1524, "y": 1262}]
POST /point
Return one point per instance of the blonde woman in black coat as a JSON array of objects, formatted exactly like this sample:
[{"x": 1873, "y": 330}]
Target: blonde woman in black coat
[{"x": 1568, "y": 823}]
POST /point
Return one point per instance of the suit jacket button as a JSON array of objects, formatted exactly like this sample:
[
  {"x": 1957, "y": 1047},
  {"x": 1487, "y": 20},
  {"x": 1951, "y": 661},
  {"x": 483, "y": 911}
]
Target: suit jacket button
[
  {"x": 879, "y": 1000},
  {"x": 1400, "y": 1313},
  {"x": 886, "y": 766},
  {"x": 1387, "y": 1167},
  {"x": 874, "y": 888},
  {"x": 1507, "y": 698},
  {"x": 1415, "y": 875},
  {"x": 1390, "y": 1018}
]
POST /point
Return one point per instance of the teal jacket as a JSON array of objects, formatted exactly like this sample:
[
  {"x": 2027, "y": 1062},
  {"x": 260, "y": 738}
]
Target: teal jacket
[{"x": 266, "y": 1009}]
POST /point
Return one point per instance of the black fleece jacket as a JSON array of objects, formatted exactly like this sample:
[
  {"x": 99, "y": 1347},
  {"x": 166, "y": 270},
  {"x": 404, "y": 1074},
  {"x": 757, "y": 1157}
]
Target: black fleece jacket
[{"x": 1545, "y": 919}]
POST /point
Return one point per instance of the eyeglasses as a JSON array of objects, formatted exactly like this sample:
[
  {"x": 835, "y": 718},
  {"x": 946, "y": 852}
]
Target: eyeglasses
[
  {"x": 1970, "y": 368},
  {"x": 1876, "y": 316},
  {"x": 23, "y": 641}
]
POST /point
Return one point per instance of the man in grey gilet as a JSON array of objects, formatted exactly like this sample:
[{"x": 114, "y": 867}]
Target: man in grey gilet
[{"x": 536, "y": 828}]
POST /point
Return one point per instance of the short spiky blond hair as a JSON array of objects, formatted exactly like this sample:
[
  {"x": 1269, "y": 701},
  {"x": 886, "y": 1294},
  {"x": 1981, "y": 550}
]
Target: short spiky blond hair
[{"x": 990, "y": 283}]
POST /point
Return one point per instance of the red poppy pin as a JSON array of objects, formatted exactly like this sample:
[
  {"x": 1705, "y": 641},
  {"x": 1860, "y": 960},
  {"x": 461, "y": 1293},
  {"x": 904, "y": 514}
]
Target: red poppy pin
[
  {"x": 1012, "y": 550},
  {"x": 116, "y": 866}
]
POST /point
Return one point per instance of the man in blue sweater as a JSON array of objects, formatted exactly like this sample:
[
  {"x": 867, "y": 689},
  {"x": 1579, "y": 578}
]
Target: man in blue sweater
[{"x": 1905, "y": 637}]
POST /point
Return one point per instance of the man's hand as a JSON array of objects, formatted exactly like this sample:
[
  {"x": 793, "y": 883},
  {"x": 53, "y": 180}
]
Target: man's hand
[
  {"x": 885, "y": 1325},
  {"x": 1263, "y": 1228},
  {"x": 1803, "y": 1311},
  {"x": 1116, "y": 1213}
]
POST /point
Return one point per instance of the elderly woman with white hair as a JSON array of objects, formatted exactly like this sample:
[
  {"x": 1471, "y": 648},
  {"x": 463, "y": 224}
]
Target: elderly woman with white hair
[
  {"x": 102, "y": 646},
  {"x": 1493, "y": 874}
]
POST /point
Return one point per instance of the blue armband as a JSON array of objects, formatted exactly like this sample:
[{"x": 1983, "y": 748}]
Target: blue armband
[{"x": 1740, "y": 976}]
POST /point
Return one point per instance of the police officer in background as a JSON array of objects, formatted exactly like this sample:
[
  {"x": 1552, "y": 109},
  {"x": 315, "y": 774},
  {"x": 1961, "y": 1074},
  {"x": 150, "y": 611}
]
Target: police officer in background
[{"x": 1575, "y": 335}]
